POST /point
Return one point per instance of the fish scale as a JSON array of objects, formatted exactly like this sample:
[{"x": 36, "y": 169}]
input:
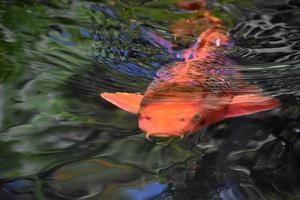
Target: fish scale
[{"x": 198, "y": 77}]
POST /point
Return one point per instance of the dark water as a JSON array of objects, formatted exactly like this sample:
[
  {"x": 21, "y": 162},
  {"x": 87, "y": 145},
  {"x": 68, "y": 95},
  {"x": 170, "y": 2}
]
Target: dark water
[{"x": 59, "y": 140}]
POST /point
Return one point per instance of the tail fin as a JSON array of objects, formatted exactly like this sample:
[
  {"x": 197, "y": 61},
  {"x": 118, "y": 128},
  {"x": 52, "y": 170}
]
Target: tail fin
[{"x": 207, "y": 42}]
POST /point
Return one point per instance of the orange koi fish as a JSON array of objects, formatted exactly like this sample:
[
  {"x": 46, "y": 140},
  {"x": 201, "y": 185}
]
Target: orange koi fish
[{"x": 202, "y": 90}]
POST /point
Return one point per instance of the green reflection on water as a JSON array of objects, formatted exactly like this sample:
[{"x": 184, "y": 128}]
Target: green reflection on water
[{"x": 51, "y": 115}]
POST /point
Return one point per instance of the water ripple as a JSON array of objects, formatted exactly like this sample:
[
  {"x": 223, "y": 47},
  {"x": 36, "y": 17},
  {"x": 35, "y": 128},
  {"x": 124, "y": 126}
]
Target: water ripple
[{"x": 59, "y": 140}]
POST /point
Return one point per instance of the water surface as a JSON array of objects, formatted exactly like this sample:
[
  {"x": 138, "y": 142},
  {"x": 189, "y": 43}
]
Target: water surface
[{"x": 59, "y": 140}]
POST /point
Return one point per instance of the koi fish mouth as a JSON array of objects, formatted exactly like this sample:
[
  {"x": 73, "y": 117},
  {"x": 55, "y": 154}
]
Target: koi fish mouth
[{"x": 161, "y": 134}]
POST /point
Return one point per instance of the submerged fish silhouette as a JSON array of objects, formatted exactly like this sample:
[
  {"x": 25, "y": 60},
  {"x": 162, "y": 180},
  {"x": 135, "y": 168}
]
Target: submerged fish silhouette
[{"x": 204, "y": 89}]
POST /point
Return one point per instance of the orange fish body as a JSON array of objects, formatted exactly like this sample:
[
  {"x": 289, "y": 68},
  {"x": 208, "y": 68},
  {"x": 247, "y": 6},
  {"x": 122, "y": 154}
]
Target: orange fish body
[{"x": 200, "y": 91}]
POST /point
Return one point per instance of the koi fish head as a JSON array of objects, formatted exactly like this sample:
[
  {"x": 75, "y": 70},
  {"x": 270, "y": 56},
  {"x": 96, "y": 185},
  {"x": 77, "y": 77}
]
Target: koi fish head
[{"x": 167, "y": 119}]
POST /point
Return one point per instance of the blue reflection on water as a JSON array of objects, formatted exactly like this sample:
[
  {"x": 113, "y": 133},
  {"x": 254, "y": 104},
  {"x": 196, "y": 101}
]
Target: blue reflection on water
[
  {"x": 129, "y": 67},
  {"x": 85, "y": 33},
  {"x": 60, "y": 41},
  {"x": 126, "y": 67},
  {"x": 134, "y": 69},
  {"x": 148, "y": 192},
  {"x": 157, "y": 40},
  {"x": 103, "y": 9},
  {"x": 18, "y": 186},
  {"x": 230, "y": 193}
]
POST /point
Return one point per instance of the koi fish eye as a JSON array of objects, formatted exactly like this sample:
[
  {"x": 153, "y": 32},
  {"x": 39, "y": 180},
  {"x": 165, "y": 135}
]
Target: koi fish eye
[{"x": 196, "y": 118}]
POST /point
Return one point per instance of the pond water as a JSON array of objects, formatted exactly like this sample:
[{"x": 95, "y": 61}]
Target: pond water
[{"x": 60, "y": 140}]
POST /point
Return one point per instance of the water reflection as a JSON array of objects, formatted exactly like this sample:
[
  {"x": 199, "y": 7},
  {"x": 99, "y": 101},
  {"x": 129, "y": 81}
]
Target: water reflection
[
  {"x": 59, "y": 140},
  {"x": 1, "y": 106}
]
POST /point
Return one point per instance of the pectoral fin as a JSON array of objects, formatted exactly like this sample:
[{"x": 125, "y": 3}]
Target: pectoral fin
[
  {"x": 250, "y": 104},
  {"x": 127, "y": 101}
]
